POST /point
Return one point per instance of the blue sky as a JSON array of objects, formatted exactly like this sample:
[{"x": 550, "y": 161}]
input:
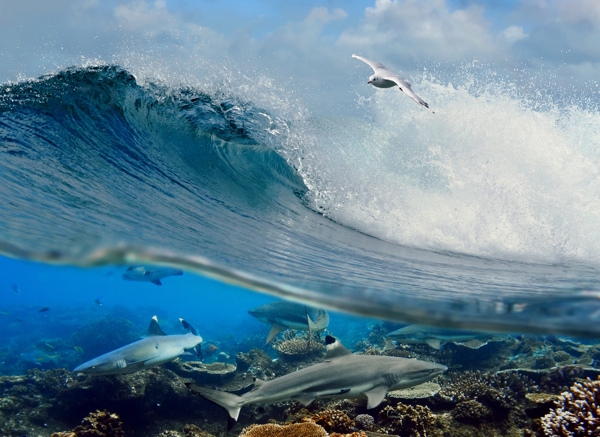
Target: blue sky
[{"x": 305, "y": 45}]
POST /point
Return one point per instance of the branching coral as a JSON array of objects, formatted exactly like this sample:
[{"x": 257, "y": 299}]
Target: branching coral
[
  {"x": 294, "y": 347},
  {"x": 305, "y": 429},
  {"x": 98, "y": 424},
  {"x": 471, "y": 411},
  {"x": 333, "y": 420},
  {"x": 578, "y": 412},
  {"x": 405, "y": 420},
  {"x": 560, "y": 379},
  {"x": 501, "y": 390}
]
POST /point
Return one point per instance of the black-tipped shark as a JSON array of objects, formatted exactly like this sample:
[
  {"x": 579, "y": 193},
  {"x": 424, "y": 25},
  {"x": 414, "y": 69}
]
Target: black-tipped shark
[
  {"x": 340, "y": 375},
  {"x": 155, "y": 349},
  {"x": 290, "y": 315}
]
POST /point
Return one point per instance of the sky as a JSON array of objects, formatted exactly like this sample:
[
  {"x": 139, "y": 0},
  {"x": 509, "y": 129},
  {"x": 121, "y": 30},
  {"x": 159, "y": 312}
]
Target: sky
[{"x": 301, "y": 45}]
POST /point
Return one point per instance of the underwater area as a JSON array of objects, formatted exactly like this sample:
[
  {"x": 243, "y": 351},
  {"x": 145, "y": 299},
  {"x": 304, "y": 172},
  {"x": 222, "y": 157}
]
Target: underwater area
[{"x": 231, "y": 233}]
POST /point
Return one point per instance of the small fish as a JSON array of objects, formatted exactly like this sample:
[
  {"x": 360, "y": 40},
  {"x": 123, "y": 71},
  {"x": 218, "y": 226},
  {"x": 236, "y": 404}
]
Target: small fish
[
  {"x": 3, "y": 313},
  {"x": 78, "y": 349},
  {"x": 210, "y": 349},
  {"x": 47, "y": 347},
  {"x": 98, "y": 302},
  {"x": 43, "y": 310},
  {"x": 15, "y": 288}
]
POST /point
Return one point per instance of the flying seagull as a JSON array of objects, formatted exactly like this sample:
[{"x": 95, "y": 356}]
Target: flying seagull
[{"x": 384, "y": 78}]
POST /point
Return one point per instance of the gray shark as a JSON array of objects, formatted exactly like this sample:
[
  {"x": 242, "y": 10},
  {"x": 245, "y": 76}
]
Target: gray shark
[
  {"x": 283, "y": 315},
  {"x": 434, "y": 336},
  {"x": 150, "y": 274},
  {"x": 155, "y": 349},
  {"x": 340, "y": 375}
]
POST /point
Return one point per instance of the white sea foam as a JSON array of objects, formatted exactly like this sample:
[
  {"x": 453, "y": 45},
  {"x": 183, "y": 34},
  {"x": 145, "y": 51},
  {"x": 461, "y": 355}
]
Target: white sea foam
[{"x": 490, "y": 174}]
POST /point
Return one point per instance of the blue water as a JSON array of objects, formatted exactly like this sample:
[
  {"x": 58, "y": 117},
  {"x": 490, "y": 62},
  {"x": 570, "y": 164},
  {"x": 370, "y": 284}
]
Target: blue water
[{"x": 483, "y": 216}]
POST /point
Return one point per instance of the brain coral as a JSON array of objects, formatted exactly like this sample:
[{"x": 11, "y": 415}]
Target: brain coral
[
  {"x": 578, "y": 412},
  {"x": 305, "y": 429}
]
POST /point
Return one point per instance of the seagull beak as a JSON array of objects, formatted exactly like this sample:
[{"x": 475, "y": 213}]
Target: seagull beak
[{"x": 369, "y": 82}]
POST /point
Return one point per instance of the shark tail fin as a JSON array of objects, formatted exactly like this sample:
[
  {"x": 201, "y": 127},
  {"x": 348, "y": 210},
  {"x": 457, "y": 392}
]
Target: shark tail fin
[{"x": 232, "y": 403}]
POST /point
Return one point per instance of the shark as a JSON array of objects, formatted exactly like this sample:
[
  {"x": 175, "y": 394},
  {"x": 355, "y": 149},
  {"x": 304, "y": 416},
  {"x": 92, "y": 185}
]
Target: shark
[
  {"x": 150, "y": 274},
  {"x": 340, "y": 375},
  {"x": 290, "y": 315},
  {"x": 434, "y": 336},
  {"x": 155, "y": 349}
]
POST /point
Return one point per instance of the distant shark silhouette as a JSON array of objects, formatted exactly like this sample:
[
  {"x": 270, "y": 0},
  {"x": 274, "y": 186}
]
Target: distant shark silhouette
[
  {"x": 340, "y": 375},
  {"x": 150, "y": 274},
  {"x": 435, "y": 336},
  {"x": 156, "y": 349},
  {"x": 290, "y": 315}
]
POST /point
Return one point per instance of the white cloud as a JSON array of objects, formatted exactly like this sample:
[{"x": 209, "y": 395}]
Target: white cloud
[{"x": 421, "y": 29}]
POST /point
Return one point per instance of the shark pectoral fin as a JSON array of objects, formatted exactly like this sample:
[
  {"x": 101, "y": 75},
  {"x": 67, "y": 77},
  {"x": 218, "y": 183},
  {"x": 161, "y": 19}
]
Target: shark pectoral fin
[
  {"x": 156, "y": 282},
  {"x": 434, "y": 343},
  {"x": 275, "y": 329},
  {"x": 305, "y": 399},
  {"x": 376, "y": 395}
]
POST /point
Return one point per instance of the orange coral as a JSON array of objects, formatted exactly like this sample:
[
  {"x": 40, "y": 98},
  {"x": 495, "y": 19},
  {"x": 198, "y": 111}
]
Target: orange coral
[{"x": 304, "y": 429}]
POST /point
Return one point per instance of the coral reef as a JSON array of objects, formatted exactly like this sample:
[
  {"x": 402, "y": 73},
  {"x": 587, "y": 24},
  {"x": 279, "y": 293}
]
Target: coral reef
[
  {"x": 405, "y": 420},
  {"x": 103, "y": 335},
  {"x": 256, "y": 361},
  {"x": 560, "y": 379},
  {"x": 577, "y": 412},
  {"x": 98, "y": 424},
  {"x": 471, "y": 411},
  {"x": 499, "y": 390},
  {"x": 293, "y": 347},
  {"x": 305, "y": 429},
  {"x": 365, "y": 421},
  {"x": 332, "y": 421}
]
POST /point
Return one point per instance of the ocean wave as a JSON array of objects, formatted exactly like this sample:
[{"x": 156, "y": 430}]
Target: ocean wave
[{"x": 100, "y": 167}]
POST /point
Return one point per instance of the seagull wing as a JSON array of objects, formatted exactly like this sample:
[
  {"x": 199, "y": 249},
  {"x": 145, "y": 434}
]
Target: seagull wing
[
  {"x": 374, "y": 65},
  {"x": 404, "y": 85}
]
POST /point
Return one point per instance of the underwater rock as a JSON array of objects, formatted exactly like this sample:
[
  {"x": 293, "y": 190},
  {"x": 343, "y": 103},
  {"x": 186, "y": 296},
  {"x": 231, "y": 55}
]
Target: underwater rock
[
  {"x": 98, "y": 424},
  {"x": 332, "y": 421},
  {"x": 304, "y": 429},
  {"x": 577, "y": 412},
  {"x": 405, "y": 420}
]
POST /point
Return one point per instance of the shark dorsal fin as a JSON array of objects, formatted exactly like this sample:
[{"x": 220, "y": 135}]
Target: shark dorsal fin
[
  {"x": 335, "y": 349},
  {"x": 154, "y": 329},
  {"x": 276, "y": 328},
  {"x": 258, "y": 383},
  {"x": 189, "y": 327}
]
